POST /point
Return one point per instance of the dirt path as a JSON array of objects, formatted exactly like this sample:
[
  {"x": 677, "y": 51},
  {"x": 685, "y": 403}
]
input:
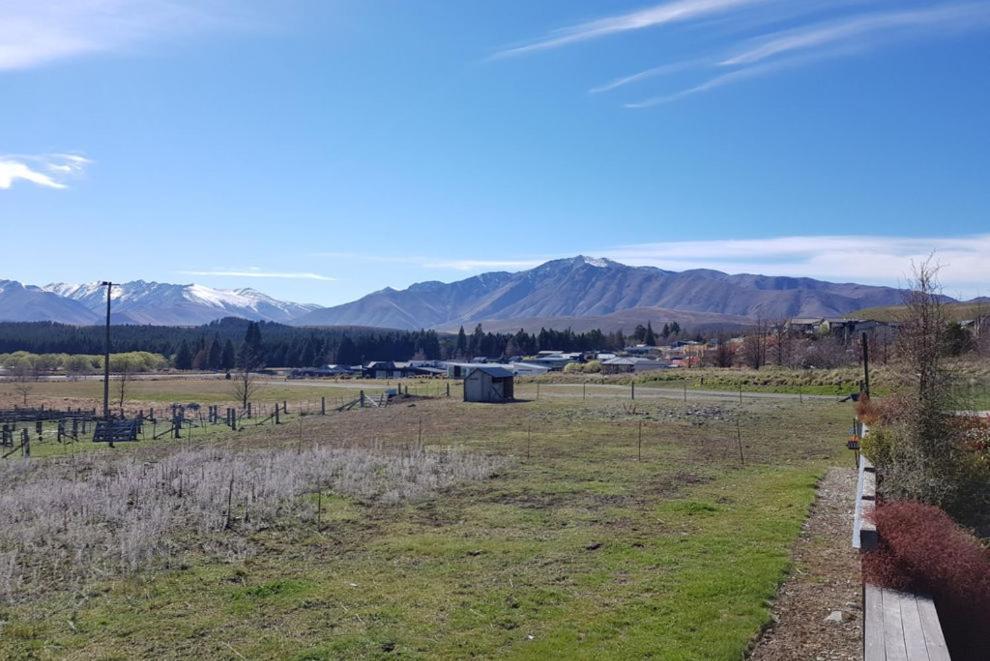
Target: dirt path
[{"x": 825, "y": 580}]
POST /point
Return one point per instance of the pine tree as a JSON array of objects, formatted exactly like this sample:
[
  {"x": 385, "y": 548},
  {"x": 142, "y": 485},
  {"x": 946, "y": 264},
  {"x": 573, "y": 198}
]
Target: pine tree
[
  {"x": 215, "y": 356},
  {"x": 477, "y": 339},
  {"x": 649, "y": 339},
  {"x": 460, "y": 349},
  {"x": 183, "y": 358},
  {"x": 228, "y": 358}
]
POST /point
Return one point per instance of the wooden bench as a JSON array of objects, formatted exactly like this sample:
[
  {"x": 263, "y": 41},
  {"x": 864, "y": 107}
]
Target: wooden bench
[
  {"x": 864, "y": 530},
  {"x": 898, "y": 626}
]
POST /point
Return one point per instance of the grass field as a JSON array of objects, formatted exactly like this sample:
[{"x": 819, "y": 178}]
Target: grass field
[
  {"x": 972, "y": 376},
  {"x": 575, "y": 548}
]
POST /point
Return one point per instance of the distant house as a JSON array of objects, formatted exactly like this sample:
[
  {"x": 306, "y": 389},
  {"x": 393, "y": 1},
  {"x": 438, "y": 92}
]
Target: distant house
[
  {"x": 805, "y": 325},
  {"x": 489, "y": 383},
  {"x": 631, "y": 364},
  {"x": 552, "y": 361},
  {"x": 384, "y": 369},
  {"x": 526, "y": 369}
]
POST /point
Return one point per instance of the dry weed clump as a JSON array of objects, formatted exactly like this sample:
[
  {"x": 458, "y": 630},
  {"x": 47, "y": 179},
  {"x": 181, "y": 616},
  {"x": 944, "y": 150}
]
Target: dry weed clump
[{"x": 64, "y": 522}]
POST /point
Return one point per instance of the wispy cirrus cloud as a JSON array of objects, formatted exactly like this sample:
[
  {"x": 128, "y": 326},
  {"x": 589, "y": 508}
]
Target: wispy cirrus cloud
[
  {"x": 850, "y": 35},
  {"x": 939, "y": 20},
  {"x": 35, "y": 32},
  {"x": 256, "y": 272},
  {"x": 852, "y": 29},
  {"x": 844, "y": 258},
  {"x": 868, "y": 259},
  {"x": 650, "y": 17},
  {"x": 45, "y": 170}
]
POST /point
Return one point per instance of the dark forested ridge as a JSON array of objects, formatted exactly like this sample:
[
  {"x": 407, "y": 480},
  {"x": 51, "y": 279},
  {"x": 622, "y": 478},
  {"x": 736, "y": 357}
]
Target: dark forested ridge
[{"x": 215, "y": 344}]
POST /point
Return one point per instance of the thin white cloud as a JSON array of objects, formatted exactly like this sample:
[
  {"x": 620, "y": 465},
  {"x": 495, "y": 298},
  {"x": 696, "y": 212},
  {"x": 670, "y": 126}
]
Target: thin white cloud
[
  {"x": 867, "y": 259},
  {"x": 47, "y": 171},
  {"x": 935, "y": 19},
  {"x": 257, "y": 273},
  {"x": 38, "y": 32},
  {"x": 808, "y": 45},
  {"x": 662, "y": 70},
  {"x": 842, "y": 258},
  {"x": 669, "y": 12}
]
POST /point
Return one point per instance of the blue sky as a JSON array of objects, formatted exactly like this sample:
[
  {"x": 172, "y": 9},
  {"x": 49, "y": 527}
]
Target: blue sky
[{"x": 320, "y": 150}]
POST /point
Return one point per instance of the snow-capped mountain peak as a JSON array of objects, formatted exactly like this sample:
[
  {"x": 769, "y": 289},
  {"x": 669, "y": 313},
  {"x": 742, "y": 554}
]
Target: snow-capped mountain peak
[{"x": 179, "y": 304}]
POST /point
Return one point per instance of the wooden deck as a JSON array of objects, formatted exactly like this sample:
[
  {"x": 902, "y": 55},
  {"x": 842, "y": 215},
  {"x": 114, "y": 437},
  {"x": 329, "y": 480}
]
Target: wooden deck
[{"x": 899, "y": 626}]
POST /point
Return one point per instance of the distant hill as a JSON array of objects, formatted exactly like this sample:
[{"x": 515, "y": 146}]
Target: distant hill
[
  {"x": 954, "y": 311},
  {"x": 566, "y": 290},
  {"x": 580, "y": 293},
  {"x": 625, "y": 320}
]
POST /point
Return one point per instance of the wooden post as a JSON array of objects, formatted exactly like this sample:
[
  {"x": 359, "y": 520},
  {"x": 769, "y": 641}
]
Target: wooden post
[
  {"x": 866, "y": 365},
  {"x": 276, "y": 413},
  {"x": 584, "y": 391},
  {"x": 25, "y": 443},
  {"x": 742, "y": 459},
  {"x": 361, "y": 396},
  {"x": 249, "y": 410},
  {"x": 323, "y": 405},
  {"x": 230, "y": 497},
  {"x": 448, "y": 389},
  {"x": 285, "y": 407},
  {"x": 639, "y": 445},
  {"x": 632, "y": 390}
]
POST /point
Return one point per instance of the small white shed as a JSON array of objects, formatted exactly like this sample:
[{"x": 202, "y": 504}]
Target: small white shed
[{"x": 489, "y": 383}]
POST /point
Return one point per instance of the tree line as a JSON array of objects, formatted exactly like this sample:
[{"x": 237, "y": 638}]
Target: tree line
[{"x": 219, "y": 345}]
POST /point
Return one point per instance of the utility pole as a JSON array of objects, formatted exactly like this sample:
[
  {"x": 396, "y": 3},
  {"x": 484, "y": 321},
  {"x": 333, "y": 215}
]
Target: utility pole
[
  {"x": 106, "y": 357},
  {"x": 866, "y": 365}
]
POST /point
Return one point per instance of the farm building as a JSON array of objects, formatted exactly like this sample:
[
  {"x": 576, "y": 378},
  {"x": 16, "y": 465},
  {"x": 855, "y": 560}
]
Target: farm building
[
  {"x": 488, "y": 383},
  {"x": 627, "y": 365}
]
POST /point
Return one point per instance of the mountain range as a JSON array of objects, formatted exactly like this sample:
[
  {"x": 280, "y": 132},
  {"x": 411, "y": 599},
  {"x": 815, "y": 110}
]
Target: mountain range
[
  {"x": 140, "y": 302},
  {"x": 615, "y": 295},
  {"x": 579, "y": 292}
]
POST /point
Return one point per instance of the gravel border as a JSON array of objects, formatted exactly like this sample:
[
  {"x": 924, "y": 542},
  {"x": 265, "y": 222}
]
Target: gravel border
[{"x": 818, "y": 611}]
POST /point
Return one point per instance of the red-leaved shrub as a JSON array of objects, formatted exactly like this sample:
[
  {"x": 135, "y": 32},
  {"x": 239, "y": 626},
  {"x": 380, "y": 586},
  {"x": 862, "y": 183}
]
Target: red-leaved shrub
[{"x": 922, "y": 550}]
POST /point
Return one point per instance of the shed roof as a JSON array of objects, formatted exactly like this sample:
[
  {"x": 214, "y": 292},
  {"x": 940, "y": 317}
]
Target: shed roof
[{"x": 493, "y": 371}]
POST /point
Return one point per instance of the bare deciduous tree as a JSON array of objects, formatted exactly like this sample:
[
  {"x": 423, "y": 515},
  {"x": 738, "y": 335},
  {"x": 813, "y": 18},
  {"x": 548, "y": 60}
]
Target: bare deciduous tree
[
  {"x": 723, "y": 355},
  {"x": 22, "y": 373},
  {"x": 245, "y": 383},
  {"x": 924, "y": 457},
  {"x": 754, "y": 346}
]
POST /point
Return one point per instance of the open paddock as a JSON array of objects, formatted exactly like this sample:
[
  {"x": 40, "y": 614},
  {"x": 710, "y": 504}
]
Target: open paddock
[{"x": 561, "y": 526}]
